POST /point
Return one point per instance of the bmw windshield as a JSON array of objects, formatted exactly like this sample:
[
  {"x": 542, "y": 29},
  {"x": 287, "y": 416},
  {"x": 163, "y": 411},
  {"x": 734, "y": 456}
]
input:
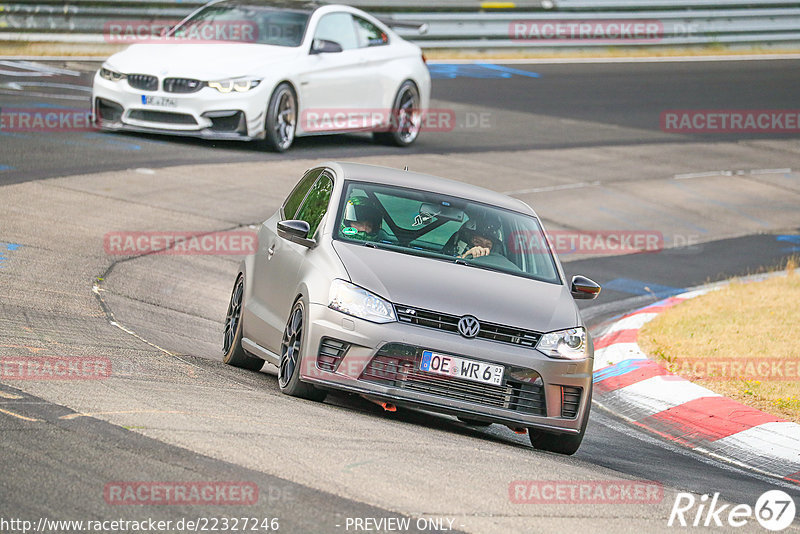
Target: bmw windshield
[
  {"x": 445, "y": 228},
  {"x": 245, "y": 23}
]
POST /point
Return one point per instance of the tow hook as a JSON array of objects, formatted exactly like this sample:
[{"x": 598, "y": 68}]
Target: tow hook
[{"x": 387, "y": 406}]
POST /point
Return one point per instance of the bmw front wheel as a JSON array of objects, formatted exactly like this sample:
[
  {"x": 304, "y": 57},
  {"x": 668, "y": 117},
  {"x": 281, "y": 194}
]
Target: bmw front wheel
[{"x": 281, "y": 121}]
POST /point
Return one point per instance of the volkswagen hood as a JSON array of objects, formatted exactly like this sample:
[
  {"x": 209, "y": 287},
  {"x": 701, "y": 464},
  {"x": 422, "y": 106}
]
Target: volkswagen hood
[{"x": 458, "y": 289}]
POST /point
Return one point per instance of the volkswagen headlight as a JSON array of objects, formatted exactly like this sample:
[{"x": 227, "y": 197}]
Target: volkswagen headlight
[
  {"x": 110, "y": 75},
  {"x": 240, "y": 85},
  {"x": 353, "y": 300},
  {"x": 568, "y": 344}
]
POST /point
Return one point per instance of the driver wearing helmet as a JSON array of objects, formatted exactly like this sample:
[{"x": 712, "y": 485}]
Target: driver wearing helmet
[
  {"x": 361, "y": 220},
  {"x": 478, "y": 237}
]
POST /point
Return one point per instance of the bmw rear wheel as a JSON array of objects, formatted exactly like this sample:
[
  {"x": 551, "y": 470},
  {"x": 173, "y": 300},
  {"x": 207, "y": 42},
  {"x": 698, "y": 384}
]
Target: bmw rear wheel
[
  {"x": 406, "y": 119},
  {"x": 292, "y": 358},
  {"x": 281, "y": 121},
  {"x": 233, "y": 353}
]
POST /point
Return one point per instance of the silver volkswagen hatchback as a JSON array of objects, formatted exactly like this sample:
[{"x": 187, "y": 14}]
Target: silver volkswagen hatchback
[{"x": 416, "y": 291}]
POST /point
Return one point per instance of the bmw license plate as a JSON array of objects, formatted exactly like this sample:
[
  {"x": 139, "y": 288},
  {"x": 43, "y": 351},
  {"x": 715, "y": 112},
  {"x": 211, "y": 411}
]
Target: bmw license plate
[
  {"x": 444, "y": 364},
  {"x": 159, "y": 101}
]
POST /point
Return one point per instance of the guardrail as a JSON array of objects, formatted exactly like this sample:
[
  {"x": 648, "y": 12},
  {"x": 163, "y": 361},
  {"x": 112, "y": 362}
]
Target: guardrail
[
  {"x": 469, "y": 24},
  {"x": 614, "y": 28}
]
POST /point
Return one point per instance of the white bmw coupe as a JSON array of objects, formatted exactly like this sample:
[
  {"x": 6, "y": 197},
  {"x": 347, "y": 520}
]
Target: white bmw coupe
[{"x": 253, "y": 70}]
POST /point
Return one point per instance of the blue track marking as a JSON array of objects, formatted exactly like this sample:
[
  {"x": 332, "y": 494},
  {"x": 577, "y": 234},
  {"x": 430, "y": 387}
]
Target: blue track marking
[
  {"x": 637, "y": 287},
  {"x": 622, "y": 368},
  {"x": 483, "y": 71},
  {"x": 6, "y": 168},
  {"x": 111, "y": 141},
  {"x": 791, "y": 239},
  {"x": 509, "y": 70},
  {"x": 7, "y": 247}
]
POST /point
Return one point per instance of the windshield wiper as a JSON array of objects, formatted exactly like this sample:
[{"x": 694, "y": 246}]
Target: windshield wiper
[{"x": 462, "y": 261}]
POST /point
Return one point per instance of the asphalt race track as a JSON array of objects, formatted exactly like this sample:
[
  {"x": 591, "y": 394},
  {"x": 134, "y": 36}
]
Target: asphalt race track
[{"x": 581, "y": 142}]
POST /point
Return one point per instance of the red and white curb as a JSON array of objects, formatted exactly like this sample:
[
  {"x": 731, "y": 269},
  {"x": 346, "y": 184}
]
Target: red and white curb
[{"x": 643, "y": 392}]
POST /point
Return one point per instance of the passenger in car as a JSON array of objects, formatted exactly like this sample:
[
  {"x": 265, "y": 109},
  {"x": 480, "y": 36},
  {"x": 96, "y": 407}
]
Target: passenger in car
[
  {"x": 477, "y": 237},
  {"x": 361, "y": 220}
]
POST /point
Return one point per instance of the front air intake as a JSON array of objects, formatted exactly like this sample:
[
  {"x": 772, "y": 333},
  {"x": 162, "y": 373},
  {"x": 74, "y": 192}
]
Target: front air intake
[
  {"x": 331, "y": 352},
  {"x": 570, "y": 401}
]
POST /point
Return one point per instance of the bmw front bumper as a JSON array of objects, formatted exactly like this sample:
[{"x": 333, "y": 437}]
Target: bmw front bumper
[{"x": 206, "y": 113}]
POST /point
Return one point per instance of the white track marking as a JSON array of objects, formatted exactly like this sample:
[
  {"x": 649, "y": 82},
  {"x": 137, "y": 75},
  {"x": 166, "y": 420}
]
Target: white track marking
[
  {"x": 18, "y": 416},
  {"x": 661, "y": 393},
  {"x": 546, "y": 189},
  {"x": 613, "y": 354},
  {"x": 29, "y": 68},
  {"x": 631, "y": 322}
]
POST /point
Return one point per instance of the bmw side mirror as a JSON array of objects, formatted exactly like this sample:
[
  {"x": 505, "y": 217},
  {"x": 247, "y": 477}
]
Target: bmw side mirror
[
  {"x": 296, "y": 231},
  {"x": 322, "y": 46},
  {"x": 584, "y": 288}
]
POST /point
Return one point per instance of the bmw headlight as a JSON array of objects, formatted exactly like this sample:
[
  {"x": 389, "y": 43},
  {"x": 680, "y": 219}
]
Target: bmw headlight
[
  {"x": 240, "y": 85},
  {"x": 569, "y": 344},
  {"x": 353, "y": 300},
  {"x": 110, "y": 75}
]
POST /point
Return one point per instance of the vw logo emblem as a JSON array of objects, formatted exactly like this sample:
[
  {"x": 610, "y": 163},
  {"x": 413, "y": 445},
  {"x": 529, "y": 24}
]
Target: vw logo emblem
[{"x": 468, "y": 326}]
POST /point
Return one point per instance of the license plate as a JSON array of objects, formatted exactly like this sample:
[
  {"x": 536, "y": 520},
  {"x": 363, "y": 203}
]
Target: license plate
[
  {"x": 444, "y": 364},
  {"x": 159, "y": 101}
]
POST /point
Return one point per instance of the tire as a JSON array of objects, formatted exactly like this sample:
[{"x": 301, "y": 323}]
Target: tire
[
  {"x": 281, "y": 119},
  {"x": 473, "y": 422},
  {"x": 561, "y": 443},
  {"x": 292, "y": 358},
  {"x": 233, "y": 353},
  {"x": 406, "y": 118}
]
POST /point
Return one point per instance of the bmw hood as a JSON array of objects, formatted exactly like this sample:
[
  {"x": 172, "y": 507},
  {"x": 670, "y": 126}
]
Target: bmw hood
[
  {"x": 460, "y": 289},
  {"x": 202, "y": 61}
]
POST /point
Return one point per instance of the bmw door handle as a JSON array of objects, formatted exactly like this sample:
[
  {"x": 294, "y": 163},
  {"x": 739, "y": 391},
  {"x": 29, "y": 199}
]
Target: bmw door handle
[{"x": 270, "y": 251}]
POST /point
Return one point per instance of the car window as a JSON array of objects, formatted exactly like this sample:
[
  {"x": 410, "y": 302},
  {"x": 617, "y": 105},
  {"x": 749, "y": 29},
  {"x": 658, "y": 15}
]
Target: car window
[
  {"x": 299, "y": 192},
  {"x": 250, "y": 24},
  {"x": 441, "y": 227},
  {"x": 369, "y": 34},
  {"x": 339, "y": 28},
  {"x": 316, "y": 203}
]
